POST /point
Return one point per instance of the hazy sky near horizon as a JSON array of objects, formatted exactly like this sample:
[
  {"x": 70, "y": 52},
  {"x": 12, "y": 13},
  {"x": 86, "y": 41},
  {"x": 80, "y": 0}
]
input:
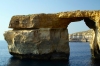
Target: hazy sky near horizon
[{"x": 8, "y": 8}]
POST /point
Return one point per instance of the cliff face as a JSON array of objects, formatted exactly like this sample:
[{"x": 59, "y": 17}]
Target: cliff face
[
  {"x": 44, "y": 36},
  {"x": 37, "y": 21},
  {"x": 38, "y": 43},
  {"x": 84, "y": 36}
]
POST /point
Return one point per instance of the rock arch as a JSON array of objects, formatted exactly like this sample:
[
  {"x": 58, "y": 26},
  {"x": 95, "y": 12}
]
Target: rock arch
[{"x": 44, "y": 36}]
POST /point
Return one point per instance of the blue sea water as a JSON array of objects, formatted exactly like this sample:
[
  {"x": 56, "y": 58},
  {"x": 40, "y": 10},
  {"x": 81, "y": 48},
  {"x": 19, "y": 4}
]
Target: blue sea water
[{"x": 79, "y": 56}]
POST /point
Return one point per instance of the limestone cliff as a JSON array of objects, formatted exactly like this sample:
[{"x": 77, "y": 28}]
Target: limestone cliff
[
  {"x": 44, "y": 36},
  {"x": 38, "y": 43},
  {"x": 83, "y": 36}
]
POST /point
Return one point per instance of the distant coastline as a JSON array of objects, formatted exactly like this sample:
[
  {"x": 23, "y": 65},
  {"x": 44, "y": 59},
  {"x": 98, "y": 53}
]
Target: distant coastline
[{"x": 84, "y": 36}]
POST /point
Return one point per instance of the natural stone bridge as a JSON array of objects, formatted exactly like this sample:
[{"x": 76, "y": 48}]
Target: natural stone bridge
[{"x": 45, "y": 36}]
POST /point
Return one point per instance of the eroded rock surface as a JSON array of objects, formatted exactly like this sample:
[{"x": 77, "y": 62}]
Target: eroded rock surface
[
  {"x": 31, "y": 33},
  {"x": 92, "y": 20},
  {"x": 38, "y": 42},
  {"x": 37, "y": 21}
]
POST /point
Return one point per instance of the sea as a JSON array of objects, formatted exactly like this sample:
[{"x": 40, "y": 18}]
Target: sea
[{"x": 80, "y": 55}]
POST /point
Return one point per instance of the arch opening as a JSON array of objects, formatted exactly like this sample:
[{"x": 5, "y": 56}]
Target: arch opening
[{"x": 94, "y": 35}]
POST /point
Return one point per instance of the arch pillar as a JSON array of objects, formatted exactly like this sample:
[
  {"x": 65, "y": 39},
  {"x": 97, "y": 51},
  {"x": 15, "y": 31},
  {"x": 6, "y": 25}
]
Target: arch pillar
[{"x": 95, "y": 42}]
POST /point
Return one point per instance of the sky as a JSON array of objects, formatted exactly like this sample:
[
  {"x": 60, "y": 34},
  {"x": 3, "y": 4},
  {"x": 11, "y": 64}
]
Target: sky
[{"x": 8, "y": 8}]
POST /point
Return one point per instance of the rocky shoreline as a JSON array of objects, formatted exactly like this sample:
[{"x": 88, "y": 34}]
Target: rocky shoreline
[{"x": 84, "y": 36}]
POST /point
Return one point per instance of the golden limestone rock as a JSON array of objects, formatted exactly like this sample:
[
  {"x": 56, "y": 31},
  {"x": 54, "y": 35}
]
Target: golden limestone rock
[
  {"x": 56, "y": 20},
  {"x": 78, "y": 13},
  {"x": 37, "y": 21},
  {"x": 38, "y": 43},
  {"x": 44, "y": 36}
]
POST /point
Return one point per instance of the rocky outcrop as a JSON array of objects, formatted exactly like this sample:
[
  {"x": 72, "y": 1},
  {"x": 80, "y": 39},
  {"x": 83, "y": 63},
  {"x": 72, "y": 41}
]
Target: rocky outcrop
[
  {"x": 38, "y": 43},
  {"x": 92, "y": 20},
  {"x": 37, "y": 21},
  {"x": 84, "y": 36},
  {"x": 53, "y": 35}
]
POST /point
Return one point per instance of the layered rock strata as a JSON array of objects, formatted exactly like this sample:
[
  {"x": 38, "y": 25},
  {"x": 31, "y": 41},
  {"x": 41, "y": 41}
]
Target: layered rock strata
[
  {"x": 83, "y": 36},
  {"x": 38, "y": 43},
  {"x": 38, "y": 36},
  {"x": 37, "y": 21},
  {"x": 92, "y": 20},
  {"x": 53, "y": 33}
]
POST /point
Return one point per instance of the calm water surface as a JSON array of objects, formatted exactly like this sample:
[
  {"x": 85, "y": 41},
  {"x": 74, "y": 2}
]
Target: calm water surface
[{"x": 79, "y": 56}]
